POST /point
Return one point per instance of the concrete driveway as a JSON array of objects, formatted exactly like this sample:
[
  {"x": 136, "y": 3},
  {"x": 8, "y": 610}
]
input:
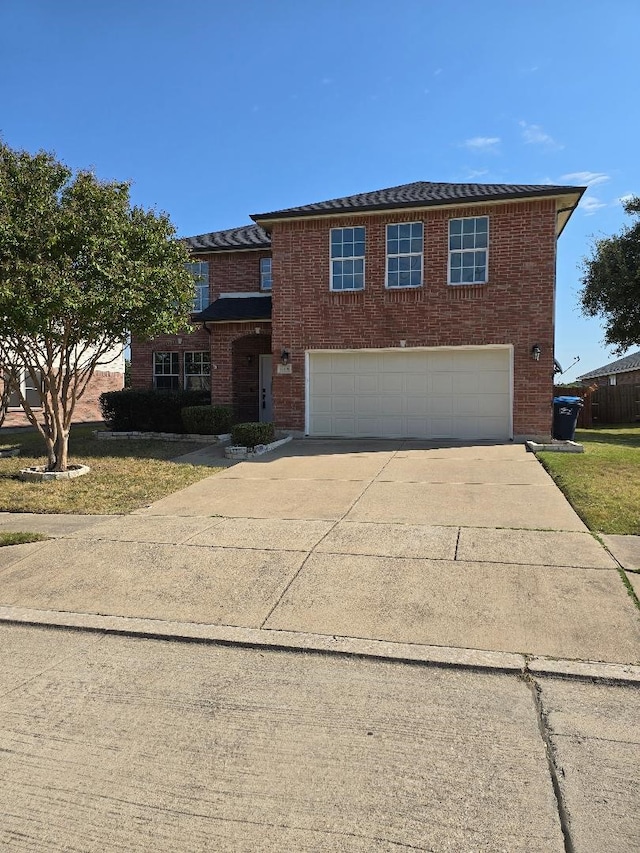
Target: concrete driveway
[{"x": 471, "y": 547}]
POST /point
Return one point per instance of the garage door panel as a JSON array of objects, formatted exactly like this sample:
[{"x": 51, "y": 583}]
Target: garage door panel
[
  {"x": 449, "y": 394},
  {"x": 440, "y": 383},
  {"x": 391, "y": 383},
  {"x": 367, "y": 383}
]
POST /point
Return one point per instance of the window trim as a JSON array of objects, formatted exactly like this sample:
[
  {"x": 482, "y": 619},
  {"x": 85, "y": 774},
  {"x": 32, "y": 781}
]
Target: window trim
[
  {"x": 362, "y": 258},
  {"x": 262, "y": 275},
  {"x": 156, "y": 374},
  {"x": 184, "y": 368},
  {"x": 450, "y": 252},
  {"x": 402, "y": 255},
  {"x": 613, "y": 380}
]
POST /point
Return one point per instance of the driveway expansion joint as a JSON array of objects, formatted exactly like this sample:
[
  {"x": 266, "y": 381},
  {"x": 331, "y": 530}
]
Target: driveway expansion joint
[{"x": 445, "y": 657}]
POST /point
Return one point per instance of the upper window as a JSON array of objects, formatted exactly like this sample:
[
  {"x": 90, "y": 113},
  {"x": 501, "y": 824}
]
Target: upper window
[
  {"x": 404, "y": 255},
  {"x": 347, "y": 258},
  {"x": 265, "y": 273},
  {"x": 166, "y": 374},
  {"x": 613, "y": 379},
  {"x": 200, "y": 271},
  {"x": 197, "y": 371},
  {"x": 468, "y": 243}
]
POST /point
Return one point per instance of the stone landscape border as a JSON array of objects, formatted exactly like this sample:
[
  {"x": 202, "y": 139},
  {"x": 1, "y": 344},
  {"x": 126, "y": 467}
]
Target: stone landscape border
[
  {"x": 239, "y": 452},
  {"x": 136, "y": 435}
]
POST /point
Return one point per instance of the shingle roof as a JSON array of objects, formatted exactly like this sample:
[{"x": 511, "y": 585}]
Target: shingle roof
[
  {"x": 419, "y": 194},
  {"x": 622, "y": 365},
  {"x": 236, "y": 308},
  {"x": 245, "y": 237}
]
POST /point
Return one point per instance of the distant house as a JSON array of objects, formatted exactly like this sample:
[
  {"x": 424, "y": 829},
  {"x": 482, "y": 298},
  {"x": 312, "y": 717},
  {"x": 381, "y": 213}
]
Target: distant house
[
  {"x": 420, "y": 311},
  {"x": 109, "y": 376},
  {"x": 624, "y": 371}
]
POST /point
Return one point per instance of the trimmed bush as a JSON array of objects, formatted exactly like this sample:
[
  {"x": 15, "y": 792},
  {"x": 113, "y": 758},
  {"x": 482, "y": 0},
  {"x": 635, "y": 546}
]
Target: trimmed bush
[
  {"x": 207, "y": 420},
  {"x": 148, "y": 411},
  {"x": 250, "y": 434}
]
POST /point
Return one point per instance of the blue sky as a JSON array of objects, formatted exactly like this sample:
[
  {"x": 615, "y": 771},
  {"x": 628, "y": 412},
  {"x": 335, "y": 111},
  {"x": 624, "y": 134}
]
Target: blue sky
[{"x": 215, "y": 110}]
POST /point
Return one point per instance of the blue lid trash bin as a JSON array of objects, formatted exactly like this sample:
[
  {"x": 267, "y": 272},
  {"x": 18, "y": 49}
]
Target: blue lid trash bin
[{"x": 565, "y": 417}]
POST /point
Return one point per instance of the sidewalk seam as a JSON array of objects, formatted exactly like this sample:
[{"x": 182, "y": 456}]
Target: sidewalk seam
[{"x": 554, "y": 770}]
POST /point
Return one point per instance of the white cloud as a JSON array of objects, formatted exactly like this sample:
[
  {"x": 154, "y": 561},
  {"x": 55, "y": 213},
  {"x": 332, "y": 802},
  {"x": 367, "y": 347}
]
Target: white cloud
[
  {"x": 588, "y": 178},
  {"x": 482, "y": 143},
  {"x": 533, "y": 134},
  {"x": 474, "y": 174},
  {"x": 590, "y": 204},
  {"x": 624, "y": 198}
]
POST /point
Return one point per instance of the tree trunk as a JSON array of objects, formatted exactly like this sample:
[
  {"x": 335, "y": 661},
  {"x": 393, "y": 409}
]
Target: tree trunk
[{"x": 61, "y": 451}]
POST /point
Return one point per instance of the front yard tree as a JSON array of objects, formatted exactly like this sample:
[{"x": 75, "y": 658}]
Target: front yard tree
[
  {"x": 611, "y": 283},
  {"x": 80, "y": 269}
]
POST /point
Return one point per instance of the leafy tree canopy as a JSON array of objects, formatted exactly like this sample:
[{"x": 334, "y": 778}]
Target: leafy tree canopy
[
  {"x": 80, "y": 269},
  {"x": 611, "y": 283}
]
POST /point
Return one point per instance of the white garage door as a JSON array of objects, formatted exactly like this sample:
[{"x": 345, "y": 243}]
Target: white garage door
[{"x": 439, "y": 393}]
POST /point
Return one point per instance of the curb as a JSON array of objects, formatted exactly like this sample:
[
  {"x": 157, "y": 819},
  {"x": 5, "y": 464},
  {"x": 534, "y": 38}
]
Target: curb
[{"x": 293, "y": 641}]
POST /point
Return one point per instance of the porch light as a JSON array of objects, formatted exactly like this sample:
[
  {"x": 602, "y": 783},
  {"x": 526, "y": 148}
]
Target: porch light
[
  {"x": 535, "y": 352},
  {"x": 284, "y": 356}
]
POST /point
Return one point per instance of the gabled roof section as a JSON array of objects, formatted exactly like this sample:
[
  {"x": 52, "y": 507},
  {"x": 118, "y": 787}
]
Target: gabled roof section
[
  {"x": 231, "y": 240},
  {"x": 419, "y": 194},
  {"x": 427, "y": 194},
  {"x": 235, "y": 309},
  {"x": 622, "y": 365}
]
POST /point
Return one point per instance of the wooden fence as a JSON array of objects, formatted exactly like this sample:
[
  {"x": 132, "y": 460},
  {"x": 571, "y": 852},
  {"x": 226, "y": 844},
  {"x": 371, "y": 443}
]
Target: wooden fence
[{"x": 605, "y": 404}]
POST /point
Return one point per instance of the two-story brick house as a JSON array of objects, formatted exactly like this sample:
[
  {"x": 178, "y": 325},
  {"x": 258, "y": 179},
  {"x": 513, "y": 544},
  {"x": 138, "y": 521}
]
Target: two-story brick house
[{"x": 424, "y": 310}]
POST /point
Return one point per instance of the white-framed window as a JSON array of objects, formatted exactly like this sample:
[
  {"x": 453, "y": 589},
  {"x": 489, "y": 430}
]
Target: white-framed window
[
  {"x": 468, "y": 250},
  {"x": 405, "y": 244},
  {"x": 265, "y": 274},
  {"x": 197, "y": 371},
  {"x": 613, "y": 380},
  {"x": 30, "y": 391},
  {"x": 347, "y": 258},
  {"x": 200, "y": 271},
  {"x": 166, "y": 372}
]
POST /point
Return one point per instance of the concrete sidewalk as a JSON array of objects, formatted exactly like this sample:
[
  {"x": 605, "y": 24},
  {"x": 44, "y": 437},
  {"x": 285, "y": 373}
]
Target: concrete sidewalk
[
  {"x": 118, "y": 743},
  {"x": 470, "y": 547}
]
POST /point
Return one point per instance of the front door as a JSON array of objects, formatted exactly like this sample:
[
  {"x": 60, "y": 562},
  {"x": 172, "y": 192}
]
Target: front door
[{"x": 265, "y": 402}]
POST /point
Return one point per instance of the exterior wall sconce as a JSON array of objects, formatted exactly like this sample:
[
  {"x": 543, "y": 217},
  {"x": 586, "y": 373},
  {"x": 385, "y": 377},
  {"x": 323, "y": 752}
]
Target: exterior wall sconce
[
  {"x": 535, "y": 352},
  {"x": 284, "y": 356}
]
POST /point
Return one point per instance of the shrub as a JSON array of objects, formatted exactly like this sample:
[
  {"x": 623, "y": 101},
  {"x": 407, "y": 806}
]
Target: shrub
[
  {"x": 250, "y": 434},
  {"x": 207, "y": 420},
  {"x": 147, "y": 411}
]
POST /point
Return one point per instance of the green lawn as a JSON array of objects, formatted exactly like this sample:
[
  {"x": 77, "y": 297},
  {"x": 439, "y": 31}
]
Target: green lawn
[
  {"x": 20, "y": 538},
  {"x": 124, "y": 475},
  {"x": 603, "y": 483}
]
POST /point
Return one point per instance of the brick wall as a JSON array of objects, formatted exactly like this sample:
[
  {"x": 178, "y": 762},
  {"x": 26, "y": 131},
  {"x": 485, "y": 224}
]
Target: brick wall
[{"x": 515, "y": 307}]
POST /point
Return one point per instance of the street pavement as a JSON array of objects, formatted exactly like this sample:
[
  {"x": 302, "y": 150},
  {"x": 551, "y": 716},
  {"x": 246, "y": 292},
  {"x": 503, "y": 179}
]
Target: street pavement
[{"x": 450, "y": 593}]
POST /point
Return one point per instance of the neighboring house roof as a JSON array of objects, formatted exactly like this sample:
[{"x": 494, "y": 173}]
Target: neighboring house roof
[
  {"x": 622, "y": 365},
  {"x": 233, "y": 239},
  {"x": 421, "y": 194},
  {"x": 229, "y": 309}
]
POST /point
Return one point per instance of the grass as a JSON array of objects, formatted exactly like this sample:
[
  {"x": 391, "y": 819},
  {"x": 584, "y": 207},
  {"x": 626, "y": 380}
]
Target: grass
[
  {"x": 20, "y": 538},
  {"x": 125, "y": 475},
  {"x": 603, "y": 483}
]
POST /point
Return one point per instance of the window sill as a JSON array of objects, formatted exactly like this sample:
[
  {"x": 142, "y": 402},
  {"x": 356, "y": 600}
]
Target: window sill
[{"x": 466, "y": 291}]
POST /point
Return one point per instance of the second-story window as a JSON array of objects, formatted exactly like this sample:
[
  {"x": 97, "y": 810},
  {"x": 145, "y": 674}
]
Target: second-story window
[
  {"x": 347, "y": 258},
  {"x": 404, "y": 254},
  {"x": 265, "y": 273},
  {"x": 468, "y": 246},
  {"x": 200, "y": 271}
]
